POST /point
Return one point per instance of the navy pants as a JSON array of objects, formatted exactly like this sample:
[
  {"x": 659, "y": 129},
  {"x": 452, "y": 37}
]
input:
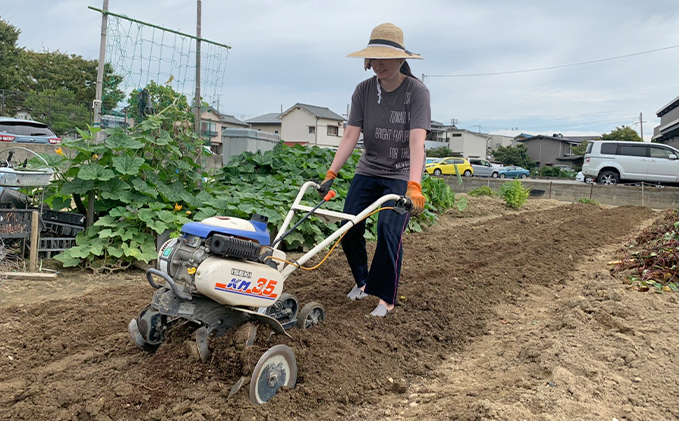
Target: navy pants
[{"x": 383, "y": 278}]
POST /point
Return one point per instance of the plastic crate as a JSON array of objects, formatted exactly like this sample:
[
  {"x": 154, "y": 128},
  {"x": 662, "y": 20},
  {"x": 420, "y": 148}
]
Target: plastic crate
[
  {"x": 63, "y": 217},
  {"x": 16, "y": 223},
  {"x": 62, "y": 230},
  {"x": 51, "y": 246}
]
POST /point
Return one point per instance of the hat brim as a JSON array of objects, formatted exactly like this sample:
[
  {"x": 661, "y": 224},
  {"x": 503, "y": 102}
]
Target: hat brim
[{"x": 384, "y": 52}]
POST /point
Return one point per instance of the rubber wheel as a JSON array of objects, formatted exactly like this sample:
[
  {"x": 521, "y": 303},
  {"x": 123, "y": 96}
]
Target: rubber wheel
[
  {"x": 467, "y": 173},
  {"x": 311, "y": 315},
  {"x": 285, "y": 309},
  {"x": 137, "y": 340},
  {"x": 501, "y": 176},
  {"x": 275, "y": 368},
  {"x": 494, "y": 175},
  {"x": 523, "y": 176},
  {"x": 608, "y": 177},
  {"x": 437, "y": 172}
]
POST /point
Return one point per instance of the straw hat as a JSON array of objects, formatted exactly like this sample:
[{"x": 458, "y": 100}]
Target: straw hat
[{"x": 387, "y": 41}]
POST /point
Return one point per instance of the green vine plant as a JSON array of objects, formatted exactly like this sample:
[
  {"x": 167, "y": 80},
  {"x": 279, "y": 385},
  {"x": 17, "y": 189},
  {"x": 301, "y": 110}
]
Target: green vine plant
[{"x": 143, "y": 183}]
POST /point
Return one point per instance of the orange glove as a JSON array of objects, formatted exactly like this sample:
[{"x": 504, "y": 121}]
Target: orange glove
[
  {"x": 415, "y": 193},
  {"x": 327, "y": 182}
]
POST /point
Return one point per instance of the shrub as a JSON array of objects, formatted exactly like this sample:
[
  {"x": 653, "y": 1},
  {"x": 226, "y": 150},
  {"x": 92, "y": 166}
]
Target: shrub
[
  {"x": 588, "y": 201},
  {"x": 482, "y": 191},
  {"x": 514, "y": 193}
]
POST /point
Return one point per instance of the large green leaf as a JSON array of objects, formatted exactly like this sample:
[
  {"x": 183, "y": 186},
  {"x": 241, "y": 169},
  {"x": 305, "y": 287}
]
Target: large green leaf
[
  {"x": 114, "y": 188},
  {"x": 95, "y": 171},
  {"x": 127, "y": 164},
  {"x": 121, "y": 141},
  {"x": 77, "y": 186},
  {"x": 142, "y": 187}
]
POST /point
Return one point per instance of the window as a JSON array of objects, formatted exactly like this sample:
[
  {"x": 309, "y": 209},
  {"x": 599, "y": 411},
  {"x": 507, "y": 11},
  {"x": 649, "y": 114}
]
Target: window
[
  {"x": 633, "y": 150},
  {"x": 656, "y": 152},
  {"x": 608, "y": 148},
  {"x": 208, "y": 128},
  {"x": 458, "y": 161},
  {"x": 332, "y": 130},
  {"x": 312, "y": 129}
]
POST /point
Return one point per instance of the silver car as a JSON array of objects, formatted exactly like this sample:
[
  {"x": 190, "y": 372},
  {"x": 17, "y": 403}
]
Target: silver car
[{"x": 483, "y": 168}]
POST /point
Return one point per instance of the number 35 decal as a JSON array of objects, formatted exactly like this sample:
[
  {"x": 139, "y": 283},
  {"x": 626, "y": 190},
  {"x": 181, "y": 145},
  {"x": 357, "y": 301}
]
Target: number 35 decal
[{"x": 264, "y": 287}]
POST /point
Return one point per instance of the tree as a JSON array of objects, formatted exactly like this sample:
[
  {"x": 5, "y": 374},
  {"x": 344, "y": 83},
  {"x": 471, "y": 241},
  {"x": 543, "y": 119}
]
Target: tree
[
  {"x": 439, "y": 152},
  {"x": 622, "y": 133},
  {"x": 514, "y": 155},
  {"x": 9, "y": 55},
  {"x": 59, "y": 109}
]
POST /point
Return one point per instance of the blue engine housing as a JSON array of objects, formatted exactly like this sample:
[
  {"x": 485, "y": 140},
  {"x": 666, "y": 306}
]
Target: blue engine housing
[{"x": 260, "y": 235}]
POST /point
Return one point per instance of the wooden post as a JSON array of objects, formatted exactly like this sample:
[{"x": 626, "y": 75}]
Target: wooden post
[{"x": 33, "y": 252}]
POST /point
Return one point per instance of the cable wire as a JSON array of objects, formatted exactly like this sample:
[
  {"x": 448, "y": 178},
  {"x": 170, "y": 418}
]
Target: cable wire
[{"x": 557, "y": 67}]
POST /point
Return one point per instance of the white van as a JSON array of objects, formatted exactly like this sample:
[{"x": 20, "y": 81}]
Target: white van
[{"x": 610, "y": 161}]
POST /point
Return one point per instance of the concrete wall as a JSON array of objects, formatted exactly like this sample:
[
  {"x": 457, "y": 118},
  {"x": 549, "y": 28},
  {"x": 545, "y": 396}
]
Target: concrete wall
[{"x": 618, "y": 195}]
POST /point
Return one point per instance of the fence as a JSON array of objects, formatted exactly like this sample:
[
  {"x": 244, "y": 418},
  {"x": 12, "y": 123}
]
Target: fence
[{"x": 566, "y": 191}]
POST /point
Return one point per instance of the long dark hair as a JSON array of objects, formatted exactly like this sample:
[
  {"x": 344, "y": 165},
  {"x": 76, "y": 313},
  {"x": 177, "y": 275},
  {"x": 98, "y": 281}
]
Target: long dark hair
[{"x": 406, "y": 69}]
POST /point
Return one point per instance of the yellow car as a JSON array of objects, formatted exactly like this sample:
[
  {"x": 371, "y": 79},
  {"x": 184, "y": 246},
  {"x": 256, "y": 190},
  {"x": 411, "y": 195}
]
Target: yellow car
[{"x": 448, "y": 166}]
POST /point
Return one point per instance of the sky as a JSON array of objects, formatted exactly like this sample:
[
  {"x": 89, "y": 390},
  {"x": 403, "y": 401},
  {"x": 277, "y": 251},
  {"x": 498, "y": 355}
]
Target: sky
[{"x": 577, "y": 67}]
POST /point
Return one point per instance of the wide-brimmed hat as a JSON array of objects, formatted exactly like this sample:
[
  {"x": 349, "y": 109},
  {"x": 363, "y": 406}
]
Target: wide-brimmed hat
[{"x": 387, "y": 41}]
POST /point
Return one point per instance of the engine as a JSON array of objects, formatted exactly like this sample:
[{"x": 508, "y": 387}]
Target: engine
[{"x": 226, "y": 259}]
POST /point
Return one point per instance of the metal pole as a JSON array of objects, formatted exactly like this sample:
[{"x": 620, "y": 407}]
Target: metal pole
[
  {"x": 641, "y": 137},
  {"x": 97, "y": 104},
  {"x": 197, "y": 95}
]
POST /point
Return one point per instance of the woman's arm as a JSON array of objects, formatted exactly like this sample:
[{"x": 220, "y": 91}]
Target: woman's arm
[
  {"x": 417, "y": 153},
  {"x": 347, "y": 143}
]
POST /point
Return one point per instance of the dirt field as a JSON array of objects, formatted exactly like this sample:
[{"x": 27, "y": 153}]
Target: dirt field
[{"x": 503, "y": 315}]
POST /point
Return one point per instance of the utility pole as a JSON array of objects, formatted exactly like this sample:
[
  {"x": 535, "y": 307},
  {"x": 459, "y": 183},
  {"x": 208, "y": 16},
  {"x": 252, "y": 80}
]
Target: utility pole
[
  {"x": 197, "y": 95},
  {"x": 97, "y": 104},
  {"x": 641, "y": 137}
]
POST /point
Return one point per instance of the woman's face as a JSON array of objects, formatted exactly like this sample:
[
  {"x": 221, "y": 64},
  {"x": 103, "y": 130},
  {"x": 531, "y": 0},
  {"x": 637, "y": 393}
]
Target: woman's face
[{"x": 386, "y": 69}]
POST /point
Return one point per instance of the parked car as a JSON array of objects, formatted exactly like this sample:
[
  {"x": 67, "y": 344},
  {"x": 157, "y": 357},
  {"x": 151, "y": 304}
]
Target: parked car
[
  {"x": 483, "y": 168},
  {"x": 513, "y": 172},
  {"x": 448, "y": 166},
  {"x": 432, "y": 160},
  {"x": 26, "y": 131},
  {"x": 582, "y": 178},
  {"x": 610, "y": 162}
]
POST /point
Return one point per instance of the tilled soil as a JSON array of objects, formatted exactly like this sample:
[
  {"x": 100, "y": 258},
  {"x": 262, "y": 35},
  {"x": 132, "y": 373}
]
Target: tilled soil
[{"x": 503, "y": 315}]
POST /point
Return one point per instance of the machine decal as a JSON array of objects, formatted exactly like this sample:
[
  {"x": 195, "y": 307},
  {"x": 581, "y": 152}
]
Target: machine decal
[
  {"x": 241, "y": 273},
  {"x": 264, "y": 288}
]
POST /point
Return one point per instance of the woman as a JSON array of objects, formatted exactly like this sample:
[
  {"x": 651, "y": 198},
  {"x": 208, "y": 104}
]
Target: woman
[{"x": 393, "y": 111}]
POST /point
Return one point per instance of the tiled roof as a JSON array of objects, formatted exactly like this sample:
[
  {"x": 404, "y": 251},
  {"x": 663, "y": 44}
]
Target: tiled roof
[
  {"x": 321, "y": 112},
  {"x": 271, "y": 118},
  {"x": 226, "y": 118}
]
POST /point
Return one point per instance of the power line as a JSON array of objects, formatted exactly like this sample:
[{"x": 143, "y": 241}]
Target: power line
[{"x": 556, "y": 67}]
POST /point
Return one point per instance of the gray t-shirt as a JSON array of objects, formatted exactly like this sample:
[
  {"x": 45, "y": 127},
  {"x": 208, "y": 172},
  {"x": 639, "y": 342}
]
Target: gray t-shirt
[{"x": 386, "y": 119}]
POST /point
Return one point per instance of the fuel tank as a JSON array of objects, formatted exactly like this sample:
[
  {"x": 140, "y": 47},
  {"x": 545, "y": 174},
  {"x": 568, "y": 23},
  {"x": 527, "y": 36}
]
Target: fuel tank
[{"x": 238, "y": 283}]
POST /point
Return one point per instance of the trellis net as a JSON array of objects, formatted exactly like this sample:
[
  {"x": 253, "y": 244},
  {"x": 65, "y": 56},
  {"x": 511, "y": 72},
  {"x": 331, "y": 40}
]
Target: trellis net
[{"x": 140, "y": 53}]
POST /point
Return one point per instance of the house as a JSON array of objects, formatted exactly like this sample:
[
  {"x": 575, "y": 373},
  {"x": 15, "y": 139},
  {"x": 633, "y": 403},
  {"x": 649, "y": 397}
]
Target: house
[
  {"x": 269, "y": 123},
  {"x": 311, "y": 125},
  {"x": 467, "y": 143},
  {"x": 212, "y": 124},
  {"x": 667, "y": 131},
  {"x": 555, "y": 150},
  {"x": 498, "y": 140}
]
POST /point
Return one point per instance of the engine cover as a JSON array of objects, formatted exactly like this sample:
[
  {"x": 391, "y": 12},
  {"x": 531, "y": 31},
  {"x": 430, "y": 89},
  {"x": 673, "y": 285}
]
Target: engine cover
[{"x": 238, "y": 283}]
